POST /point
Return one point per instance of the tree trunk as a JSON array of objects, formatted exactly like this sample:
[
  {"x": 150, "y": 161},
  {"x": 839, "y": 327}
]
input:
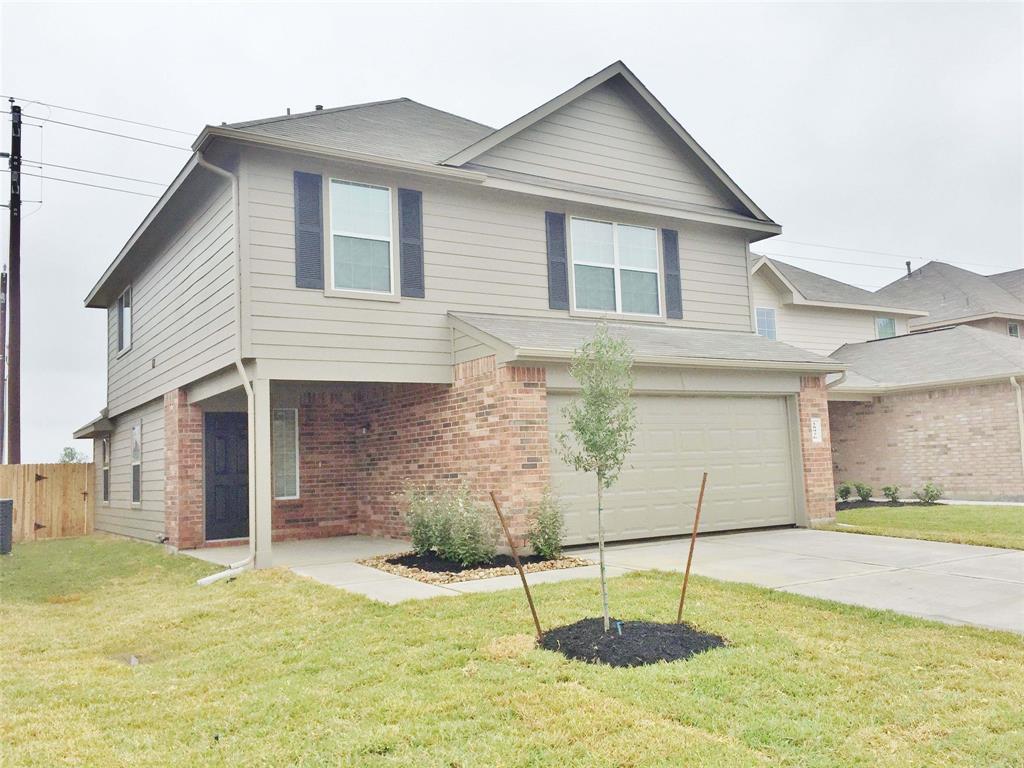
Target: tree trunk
[{"x": 600, "y": 550}]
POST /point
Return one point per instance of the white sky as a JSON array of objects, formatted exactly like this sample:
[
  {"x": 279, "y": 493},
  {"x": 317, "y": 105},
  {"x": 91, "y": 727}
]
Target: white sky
[{"x": 882, "y": 127}]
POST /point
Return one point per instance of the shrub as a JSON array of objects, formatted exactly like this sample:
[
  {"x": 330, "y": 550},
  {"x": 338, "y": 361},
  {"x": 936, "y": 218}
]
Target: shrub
[
  {"x": 929, "y": 494},
  {"x": 844, "y": 490},
  {"x": 420, "y": 519},
  {"x": 451, "y": 524},
  {"x": 892, "y": 493},
  {"x": 863, "y": 491},
  {"x": 546, "y": 527}
]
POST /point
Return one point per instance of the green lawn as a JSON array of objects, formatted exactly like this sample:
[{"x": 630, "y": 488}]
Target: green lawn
[
  {"x": 275, "y": 670},
  {"x": 959, "y": 523}
]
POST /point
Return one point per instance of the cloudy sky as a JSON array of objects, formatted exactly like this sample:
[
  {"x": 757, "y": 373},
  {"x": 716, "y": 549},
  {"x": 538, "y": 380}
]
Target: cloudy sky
[{"x": 891, "y": 131}]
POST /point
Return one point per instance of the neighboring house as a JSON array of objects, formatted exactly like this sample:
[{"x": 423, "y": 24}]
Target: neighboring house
[
  {"x": 325, "y": 307},
  {"x": 955, "y": 296},
  {"x": 940, "y": 406},
  {"x": 820, "y": 314}
]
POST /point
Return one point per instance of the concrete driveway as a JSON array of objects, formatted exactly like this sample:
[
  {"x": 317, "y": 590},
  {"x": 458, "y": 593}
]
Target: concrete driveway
[{"x": 954, "y": 583}]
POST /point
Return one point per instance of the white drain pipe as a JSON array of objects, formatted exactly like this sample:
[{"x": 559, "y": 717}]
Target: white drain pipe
[{"x": 1020, "y": 417}]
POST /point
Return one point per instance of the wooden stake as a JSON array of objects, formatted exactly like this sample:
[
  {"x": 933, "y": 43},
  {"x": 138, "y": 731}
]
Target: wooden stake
[
  {"x": 693, "y": 540},
  {"x": 519, "y": 565}
]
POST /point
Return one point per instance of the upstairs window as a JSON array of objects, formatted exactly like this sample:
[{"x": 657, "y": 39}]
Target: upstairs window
[
  {"x": 885, "y": 327},
  {"x": 137, "y": 463},
  {"x": 124, "y": 320},
  {"x": 615, "y": 268},
  {"x": 766, "y": 322},
  {"x": 1013, "y": 329},
  {"x": 360, "y": 237},
  {"x": 105, "y": 458}
]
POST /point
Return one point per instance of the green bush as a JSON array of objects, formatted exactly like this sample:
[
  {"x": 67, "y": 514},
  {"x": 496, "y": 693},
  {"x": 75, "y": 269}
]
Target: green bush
[
  {"x": 843, "y": 491},
  {"x": 892, "y": 493},
  {"x": 547, "y": 526},
  {"x": 863, "y": 491},
  {"x": 929, "y": 494},
  {"x": 451, "y": 524}
]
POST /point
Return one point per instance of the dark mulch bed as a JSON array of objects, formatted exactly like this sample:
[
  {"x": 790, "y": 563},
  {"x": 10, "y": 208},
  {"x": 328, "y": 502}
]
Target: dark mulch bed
[
  {"x": 858, "y": 504},
  {"x": 431, "y": 563},
  {"x": 641, "y": 642},
  {"x": 431, "y": 569}
]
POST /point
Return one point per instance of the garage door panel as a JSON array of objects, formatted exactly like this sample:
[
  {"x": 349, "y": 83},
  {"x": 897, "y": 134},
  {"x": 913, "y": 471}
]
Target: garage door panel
[{"x": 742, "y": 442}]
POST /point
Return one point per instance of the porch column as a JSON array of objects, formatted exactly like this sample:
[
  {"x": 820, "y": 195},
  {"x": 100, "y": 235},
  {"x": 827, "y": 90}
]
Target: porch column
[{"x": 262, "y": 477}]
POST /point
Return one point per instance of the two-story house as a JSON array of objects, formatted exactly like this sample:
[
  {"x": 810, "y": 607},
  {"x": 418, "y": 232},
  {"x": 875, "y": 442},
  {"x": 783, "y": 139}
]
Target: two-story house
[{"x": 326, "y": 307}]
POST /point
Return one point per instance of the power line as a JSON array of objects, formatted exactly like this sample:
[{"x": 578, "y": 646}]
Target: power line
[
  {"x": 86, "y": 184},
  {"x": 40, "y": 163},
  {"x": 829, "y": 261},
  {"x": 109, "y": 133},
  {"x": 100, "y": 114},
  {"x": 880, "y": 253}
]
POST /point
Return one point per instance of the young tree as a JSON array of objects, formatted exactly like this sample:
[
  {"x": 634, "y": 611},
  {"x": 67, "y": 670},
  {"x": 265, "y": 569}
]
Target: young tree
[
  {"x": 602, "y": 422},
  {"x": 72, "y": 456}
]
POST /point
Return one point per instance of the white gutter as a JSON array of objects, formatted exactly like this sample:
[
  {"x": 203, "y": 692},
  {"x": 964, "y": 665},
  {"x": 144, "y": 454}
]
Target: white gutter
[
  {"x": 526, "y": 354},
  {"x": 837, "y": 382},
  {"x": 1020, "y": 417},
  {"x": 236, "y": 568}
]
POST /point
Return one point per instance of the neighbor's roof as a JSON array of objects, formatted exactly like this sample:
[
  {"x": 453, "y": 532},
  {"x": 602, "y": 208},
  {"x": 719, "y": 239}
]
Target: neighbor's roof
[
  {"x": 1012, "y": 282},
  {"x": 950, "y": 293},
  {"x": 400, "y": 129},
  {"x": 545, "y": 338},
  {"x": 824, "y": 290},
  {"x": 947, "y": 355}
]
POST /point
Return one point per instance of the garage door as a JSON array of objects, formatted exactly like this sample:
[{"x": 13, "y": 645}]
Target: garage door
[{"x": 743, "y": 443}]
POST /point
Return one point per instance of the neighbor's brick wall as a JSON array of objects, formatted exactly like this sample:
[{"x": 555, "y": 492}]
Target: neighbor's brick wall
[
  {"x": 819, "y": 489},
  {"x": 183, "y": 483},
  {"x": 964, "y": 439}
]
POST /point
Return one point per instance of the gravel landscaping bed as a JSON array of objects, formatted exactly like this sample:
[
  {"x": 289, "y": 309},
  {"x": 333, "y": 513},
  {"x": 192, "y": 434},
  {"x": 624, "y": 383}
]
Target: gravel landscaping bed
[
  {"x": 640, "y": 642},
  {"x": 431, "y": 569}
]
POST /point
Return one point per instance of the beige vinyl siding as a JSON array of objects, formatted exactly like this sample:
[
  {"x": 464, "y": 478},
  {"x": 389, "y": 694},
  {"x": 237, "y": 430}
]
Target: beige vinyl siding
[
  {"x": 183, "y": 313},
  {"x": 144, "y": 520},
  {"x": 465, "y": 347},
  {"x": 601, "y": 140},
  {"x": 817, "y": 329},
  {"x": 484, "y": 251}
]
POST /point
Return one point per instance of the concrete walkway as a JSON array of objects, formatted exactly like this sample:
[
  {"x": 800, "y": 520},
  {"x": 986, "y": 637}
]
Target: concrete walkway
[{"x": 954, "y": 583}]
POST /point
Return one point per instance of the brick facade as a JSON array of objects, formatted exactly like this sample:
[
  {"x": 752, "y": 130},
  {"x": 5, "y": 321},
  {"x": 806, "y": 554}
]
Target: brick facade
[
  {"x": 964, "y": 439},
  {"x": 183, "y": 479},
  {"x": 819, "y": 488}
]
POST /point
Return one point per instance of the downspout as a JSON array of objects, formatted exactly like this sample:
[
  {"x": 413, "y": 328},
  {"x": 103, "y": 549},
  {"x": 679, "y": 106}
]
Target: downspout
[
  {"x": 837, "y": 382},
  {"x": 236, "y": 568},
  {"x": 1020, "y": 417}
]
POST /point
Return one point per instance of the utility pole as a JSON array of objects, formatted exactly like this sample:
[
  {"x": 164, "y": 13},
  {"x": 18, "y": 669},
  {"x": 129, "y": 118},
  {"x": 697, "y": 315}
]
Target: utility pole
[
  {"x": 14, "y": 296},
  {"x": 3, "y": 359}
]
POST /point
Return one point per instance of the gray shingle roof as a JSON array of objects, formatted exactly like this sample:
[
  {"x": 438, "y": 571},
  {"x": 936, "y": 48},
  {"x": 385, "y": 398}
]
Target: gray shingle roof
[
  {"x": 815, "y": 287},
  {"x": 931, "y": 357},
  {"x": 401, "y": 129},
  {"x": 1012, "y": 282},
  {"x": 950, "y": 293},
  {"x": 561, "y": 335}
]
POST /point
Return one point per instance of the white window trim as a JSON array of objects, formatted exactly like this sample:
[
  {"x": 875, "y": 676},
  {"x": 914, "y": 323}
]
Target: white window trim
[
  {"x": 298, "y": 477},
  {"x": 616, "y": 268},
  {"x": 885, "y": 317},
  {"x": 105, "y": 470},
  {"x": 358, "y": 293},
  {"x": 131, "y": 323},
  {"x": 131, "y": 466},
  {"x": 1015, "y": 325},
  {"x": 775, "y": 322}
]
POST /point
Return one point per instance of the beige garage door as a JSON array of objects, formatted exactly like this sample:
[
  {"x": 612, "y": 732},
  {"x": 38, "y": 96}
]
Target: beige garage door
[{"x": 743, "y": 443}]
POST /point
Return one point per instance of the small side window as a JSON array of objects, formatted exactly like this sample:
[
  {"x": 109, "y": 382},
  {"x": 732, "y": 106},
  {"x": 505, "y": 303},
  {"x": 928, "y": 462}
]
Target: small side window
[
  {"x": 105, "y": 456},
  {"x": 136, "y": 463},
  {"x": 284, "y": 450},
  {"x": 124, "y": 320},
  {"x": 1013, "y": 329},
  {"x": 766, "y": 322},
  {"x": 885, "y": 327}
]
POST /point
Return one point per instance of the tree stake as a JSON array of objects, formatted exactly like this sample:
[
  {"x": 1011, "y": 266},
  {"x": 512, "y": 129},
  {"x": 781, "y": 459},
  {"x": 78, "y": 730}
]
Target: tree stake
[
  {"x": 693, "y": 540},
  {"x": 519, "y": 565}
]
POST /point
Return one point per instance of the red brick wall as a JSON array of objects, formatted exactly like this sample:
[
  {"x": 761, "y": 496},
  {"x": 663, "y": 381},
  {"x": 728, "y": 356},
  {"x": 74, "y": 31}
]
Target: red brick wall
[
  {"x": 964, "y": 439},
  {"x": 183, "y": 483},
  {"x": 819, "y": 488}
]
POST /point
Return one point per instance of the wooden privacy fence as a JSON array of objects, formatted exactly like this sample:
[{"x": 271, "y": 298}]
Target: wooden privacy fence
[{"x": 50, "y": 500}]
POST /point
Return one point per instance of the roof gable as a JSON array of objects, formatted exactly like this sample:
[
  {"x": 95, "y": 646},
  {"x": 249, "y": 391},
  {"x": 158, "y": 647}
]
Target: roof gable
[{"x": 610, "y": 132}]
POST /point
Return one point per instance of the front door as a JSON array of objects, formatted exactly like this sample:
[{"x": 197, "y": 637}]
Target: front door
[{"x": 227, "y": 476}]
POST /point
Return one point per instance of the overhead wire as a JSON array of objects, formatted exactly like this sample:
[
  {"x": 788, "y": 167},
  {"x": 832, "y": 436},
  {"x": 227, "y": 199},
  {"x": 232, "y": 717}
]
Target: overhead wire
[{"x": 98, "y": 114}]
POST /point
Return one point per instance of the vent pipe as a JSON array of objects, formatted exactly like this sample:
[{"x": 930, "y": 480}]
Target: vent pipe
[{"x": 908, "y": 269}]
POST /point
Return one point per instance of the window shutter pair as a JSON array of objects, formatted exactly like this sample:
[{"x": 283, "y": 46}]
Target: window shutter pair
[
  {"x": 309, "y": 235},
  {"x": 558, "y": 266}
]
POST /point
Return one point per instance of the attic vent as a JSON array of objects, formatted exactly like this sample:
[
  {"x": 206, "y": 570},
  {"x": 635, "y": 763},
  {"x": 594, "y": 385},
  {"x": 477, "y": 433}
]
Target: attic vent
[{"x": 318, "y": 107}]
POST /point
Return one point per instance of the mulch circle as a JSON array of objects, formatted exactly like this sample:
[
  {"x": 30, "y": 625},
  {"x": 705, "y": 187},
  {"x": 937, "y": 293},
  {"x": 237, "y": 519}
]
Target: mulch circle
[
  {"x": 641, "y": 642},
  {"x": 431, "y": 569}
]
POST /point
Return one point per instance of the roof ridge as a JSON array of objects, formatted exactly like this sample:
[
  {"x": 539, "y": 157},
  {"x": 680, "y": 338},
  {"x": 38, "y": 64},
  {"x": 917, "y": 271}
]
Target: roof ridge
[{"x": 329, "y": 110}]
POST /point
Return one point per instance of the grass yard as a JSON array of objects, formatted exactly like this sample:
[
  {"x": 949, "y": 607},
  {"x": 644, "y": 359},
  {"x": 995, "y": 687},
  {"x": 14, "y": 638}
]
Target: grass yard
[
  {"x": 959, "y": 523},
  {"x": 275, "y": 670}
]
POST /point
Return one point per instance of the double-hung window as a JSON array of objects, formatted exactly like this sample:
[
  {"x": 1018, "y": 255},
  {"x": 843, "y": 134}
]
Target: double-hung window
[
  {"x": 105, "y": 457},
  {"x": 885, "y": 327},
  {"x": 136, "y": 463},
  {"x": 124, "y": 320},
  {"x": 1013, "y": 329},
  {"x": 284, "y": 449},
  {"x": 766, "y": 322},
  {"x": 615, "y": 268},
  {"x": 361, "y": 237}
]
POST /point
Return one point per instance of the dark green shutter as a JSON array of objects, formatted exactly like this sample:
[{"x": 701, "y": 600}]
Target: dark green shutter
[
  {"x": 673, "y": 281},
  {"x": 309, "y": 230},
  {"x": 558, "y": 261},
  {"x": 410, "y": 242}
]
